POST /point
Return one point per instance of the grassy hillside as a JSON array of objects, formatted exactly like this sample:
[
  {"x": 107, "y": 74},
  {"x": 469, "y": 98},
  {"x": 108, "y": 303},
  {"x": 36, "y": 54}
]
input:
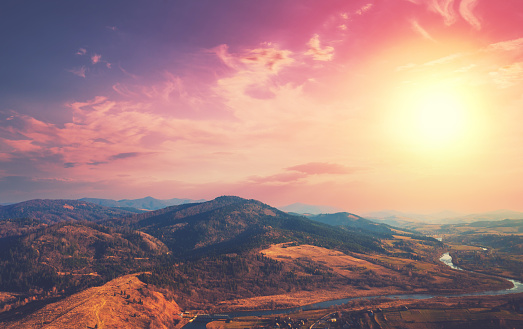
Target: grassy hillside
[{"x": 125, "y": 302}]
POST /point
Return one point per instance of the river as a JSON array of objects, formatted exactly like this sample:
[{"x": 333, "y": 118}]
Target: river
[{"x": 445, "y": 258}]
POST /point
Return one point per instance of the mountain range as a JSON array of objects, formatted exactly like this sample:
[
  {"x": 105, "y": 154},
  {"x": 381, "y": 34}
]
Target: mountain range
[
  {"x": 147, "y": 203},
  {"x": 402, "y": 219},
  {"x": 52, "y": 211},
  {"x": 303, "y": 208},
  {"x": 232, "y": 224},
  {"x": 201, "y": 255}
]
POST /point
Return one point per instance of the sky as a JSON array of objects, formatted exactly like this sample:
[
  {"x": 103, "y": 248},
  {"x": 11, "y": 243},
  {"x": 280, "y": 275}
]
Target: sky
[{"x": 413, "y": 105}]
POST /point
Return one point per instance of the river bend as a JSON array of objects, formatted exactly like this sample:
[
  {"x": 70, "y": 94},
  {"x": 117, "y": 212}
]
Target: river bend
[{"x": 445, "y": 258}]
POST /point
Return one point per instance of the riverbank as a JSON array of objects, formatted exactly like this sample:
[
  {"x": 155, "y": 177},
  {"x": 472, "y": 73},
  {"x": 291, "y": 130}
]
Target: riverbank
[{"x": 517, "y": 287}]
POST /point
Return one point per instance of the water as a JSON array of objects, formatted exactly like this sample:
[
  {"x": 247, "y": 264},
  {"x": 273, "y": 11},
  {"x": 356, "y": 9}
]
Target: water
[{"x": 445, "y": 258}]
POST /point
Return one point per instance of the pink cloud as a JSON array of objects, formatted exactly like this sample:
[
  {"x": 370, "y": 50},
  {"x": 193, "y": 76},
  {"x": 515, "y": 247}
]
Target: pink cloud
[
  {"x": 466, "y": 8},
  {"x": 279, "y": 178},
  {"x": 446, "y": 9},
  {"x": 125, "y": 155},
  {"x": 317, "y": 52},
  {"x": 268, "y": 57},
  {"x": 271, "y": 58},
  {"x": 318, "y": 168},
  {"x": 508, "y": 46},
  {"x": 364, "y": 9},
  {"x": 95, "y": 59}
]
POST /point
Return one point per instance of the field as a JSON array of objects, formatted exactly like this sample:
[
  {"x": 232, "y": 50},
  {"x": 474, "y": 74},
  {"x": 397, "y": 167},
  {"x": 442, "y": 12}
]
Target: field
[
  {"x": 358, "y": 275},
  {"x": 439, "y": 313}
]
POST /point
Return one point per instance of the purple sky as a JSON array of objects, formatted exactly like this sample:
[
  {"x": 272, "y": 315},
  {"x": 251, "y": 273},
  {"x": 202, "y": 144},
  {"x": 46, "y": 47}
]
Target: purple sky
[{"x": 412, "y": 105}]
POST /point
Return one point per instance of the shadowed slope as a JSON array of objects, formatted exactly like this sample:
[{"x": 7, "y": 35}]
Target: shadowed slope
[{"x": 233, "y": 224}]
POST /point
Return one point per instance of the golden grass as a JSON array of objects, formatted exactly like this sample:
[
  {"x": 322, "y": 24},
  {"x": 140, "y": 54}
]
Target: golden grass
[
  {"x": 113, "y": 305},
  {"x": 460, "y": 247},
  {"x": 336, "y": 260}
]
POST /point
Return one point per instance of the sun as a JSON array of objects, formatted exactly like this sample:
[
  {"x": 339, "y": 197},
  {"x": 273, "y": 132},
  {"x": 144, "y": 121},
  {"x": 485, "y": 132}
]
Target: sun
[
  {"x": 439, "y": 117},
  {"x": 433, "y": 117}
]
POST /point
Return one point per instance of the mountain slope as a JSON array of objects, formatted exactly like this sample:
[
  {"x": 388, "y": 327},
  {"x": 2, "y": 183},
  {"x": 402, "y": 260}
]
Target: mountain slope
[
  {"x": 125, "y": 302},
  {"x": 351, "y": 221},
  {"x": 52, "y": 211},
  {"x": 73, "y": 255},
  {"x": 233, "y": 224}
]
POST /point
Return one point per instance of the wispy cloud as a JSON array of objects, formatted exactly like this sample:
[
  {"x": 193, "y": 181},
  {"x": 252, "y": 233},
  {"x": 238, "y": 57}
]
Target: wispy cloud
[
  {"x": 125, "y": 155},
  {"x": 81, "y": 51},
  {"x": 466, "y": 9},
  {"x": 364, "y": 9},
  {"x": 282, "y": 178},
  {"x": 508, "y": 76},
  {"x": 318, "y": 168},
  {"x": 509, "y": 45},
  {"x": 446, "y": 9},
  {"x": 96, "y": 163},
  {"x": 317, "y": 52},
  {"x": 102, "y": 140},
  {"x": 79, "y": 71},
  {"x": 420, "y": 30}
]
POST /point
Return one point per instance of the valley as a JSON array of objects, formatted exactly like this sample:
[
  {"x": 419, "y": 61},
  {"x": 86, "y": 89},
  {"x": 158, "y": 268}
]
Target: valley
[{"x": 232, "y": 255}]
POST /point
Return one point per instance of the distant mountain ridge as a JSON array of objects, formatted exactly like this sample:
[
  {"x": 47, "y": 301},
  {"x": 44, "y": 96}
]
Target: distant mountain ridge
[
  {"x": 348, "y": 220},
  {"x": 52, "y": 211},
  {"x": 147, "y": 203},
  {"x": 401, "y": 219},
  {"x": 303, "y": 208}
]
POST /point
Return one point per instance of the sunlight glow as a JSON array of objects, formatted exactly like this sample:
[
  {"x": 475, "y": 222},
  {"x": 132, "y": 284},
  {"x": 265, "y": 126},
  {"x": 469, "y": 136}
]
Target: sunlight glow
[
  {"x": 439, "y": 118},
  {"x": 435, "y": 118}
]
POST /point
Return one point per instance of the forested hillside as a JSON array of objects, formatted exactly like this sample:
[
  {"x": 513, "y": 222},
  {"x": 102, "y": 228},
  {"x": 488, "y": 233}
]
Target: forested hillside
[
  {"x": 52, "y": 211},
  {"x": 232, "y": 224}
]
